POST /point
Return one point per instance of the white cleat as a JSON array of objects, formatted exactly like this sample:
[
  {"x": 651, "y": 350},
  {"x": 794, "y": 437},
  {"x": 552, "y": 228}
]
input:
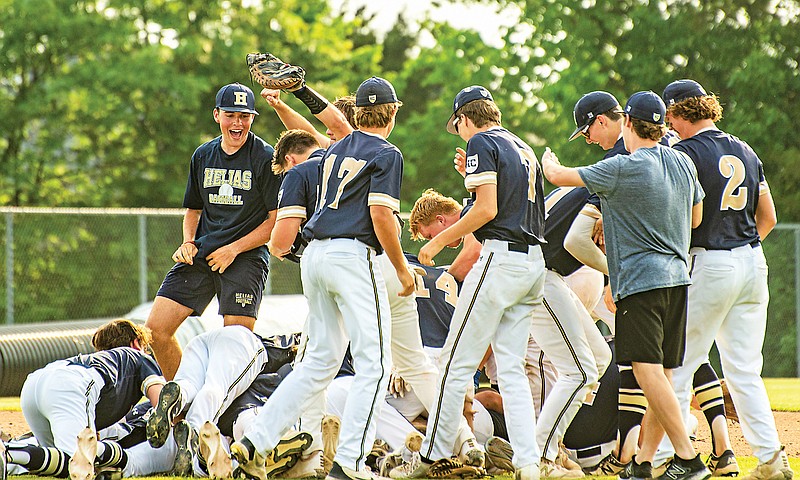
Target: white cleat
[
  {"x": 211, "y": 448},
  {"x": 81, "y": 465}
]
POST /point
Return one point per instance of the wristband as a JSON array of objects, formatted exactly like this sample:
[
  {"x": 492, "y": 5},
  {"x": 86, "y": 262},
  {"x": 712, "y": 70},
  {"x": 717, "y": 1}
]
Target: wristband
[
  {"x": 189, "y": 241},
  {"x": 313, "y": 101}
]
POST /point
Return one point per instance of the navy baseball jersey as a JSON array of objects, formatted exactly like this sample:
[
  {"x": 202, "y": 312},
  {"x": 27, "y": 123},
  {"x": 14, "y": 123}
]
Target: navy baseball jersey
[
  {"x": 298, "y": 194},
  {"x": 235, "y": 192},
  {"x": 256, "y": 395},
  {"x": 436, "y": 303},
  {"x": 281, "y": 349},
  {"x": 562, "y": 205},
  {"x": 498, "y": 156},
  {"x": 357, "y": 172},
  {"x": 127, "y": 372},
  {"x": 733, "y": 177},
  {"x": 597, "y": 420}
]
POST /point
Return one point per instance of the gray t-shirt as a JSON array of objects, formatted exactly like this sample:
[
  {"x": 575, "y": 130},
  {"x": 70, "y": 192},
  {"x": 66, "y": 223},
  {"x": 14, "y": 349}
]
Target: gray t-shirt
[{"x": 647, "y": 200}]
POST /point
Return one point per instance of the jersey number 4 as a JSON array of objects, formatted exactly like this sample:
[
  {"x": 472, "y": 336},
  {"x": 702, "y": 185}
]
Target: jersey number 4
[
  {"x": 445, "y": 283},
  {"x": 348, "y": 170},
  {"x": 734, "y": 196}
]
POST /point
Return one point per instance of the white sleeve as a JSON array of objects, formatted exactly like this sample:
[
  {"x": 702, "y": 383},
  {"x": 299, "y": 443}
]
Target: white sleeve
[{"x": 578, "y": 242}]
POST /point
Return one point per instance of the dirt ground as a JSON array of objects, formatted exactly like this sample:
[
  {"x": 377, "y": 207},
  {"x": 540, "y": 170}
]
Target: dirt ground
[{"x": 13, "y": 423}]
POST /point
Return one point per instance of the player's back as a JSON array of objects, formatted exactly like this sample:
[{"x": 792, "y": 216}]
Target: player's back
[
  {"x": 520, "y": 187},
  {"x": 732, "y": 176},
  {"x": 562, "y": 205},
  {"x": 436, "y": 302},
  {"x": 358, "y": 171}
]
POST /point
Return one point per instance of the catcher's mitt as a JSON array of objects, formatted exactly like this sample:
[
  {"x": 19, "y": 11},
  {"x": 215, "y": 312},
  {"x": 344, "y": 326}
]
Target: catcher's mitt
[
  {"x": 270, "y": 71},
  {"x": 450, "y": 468}
]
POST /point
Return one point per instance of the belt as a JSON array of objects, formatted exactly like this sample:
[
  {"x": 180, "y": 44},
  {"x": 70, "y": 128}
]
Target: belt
[{"x": 518, "y": 247}]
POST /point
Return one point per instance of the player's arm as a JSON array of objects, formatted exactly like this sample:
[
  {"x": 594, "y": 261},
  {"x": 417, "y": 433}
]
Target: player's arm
[
  {"x": 385, "y": 225},
  {"x": 330, "y": 116},
  {"x": 483, "y": 210},
  {"x": 558, "y": 174},
  {"x": 221, "y": 258},
  {"x": 466, "y": 258},
  {"x": 283, "y": 235},
  {"x": 697, "y": 214},
  {"x": 580, "y": 243},
  {"x": 186, "y": 252},
  {"x": 766, "y": 216}
]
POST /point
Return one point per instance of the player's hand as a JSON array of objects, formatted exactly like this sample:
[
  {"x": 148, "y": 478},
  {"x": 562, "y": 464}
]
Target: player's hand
[
  {"x": 419, "y": 274},
  {"x": 460, "y": 161},
  {"x": 185, "y": 253},
  {"x": 608, "y": 299},
  {"x": 549, "y": 156},
  {"x": 221, "y": 258},
  {"x": 428, "y": 251},
  {"x": 397, "y": 386},
  {"x": 273, "y": 97},
  {"x": 597, "y": 233},
  {"x": 407, "y": 282}
]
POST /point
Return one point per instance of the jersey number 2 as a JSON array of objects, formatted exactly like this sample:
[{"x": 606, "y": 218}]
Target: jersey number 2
[
  {"x": 347, "y": 172},
  {"x": 734, "y": 196}
]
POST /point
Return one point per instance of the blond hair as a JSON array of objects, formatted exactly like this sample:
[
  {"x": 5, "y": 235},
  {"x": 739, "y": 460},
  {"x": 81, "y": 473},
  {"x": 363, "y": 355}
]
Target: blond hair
[{"x": 427, "y": 207}]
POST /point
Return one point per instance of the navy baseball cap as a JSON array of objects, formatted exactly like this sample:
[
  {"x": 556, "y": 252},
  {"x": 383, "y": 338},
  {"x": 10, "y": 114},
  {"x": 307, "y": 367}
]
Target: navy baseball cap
[
  {"x": 466, "y": 95},
  {"x": 375, "y": 91},
  {"x": 589, "y": 107},
  {"x": 681, "y": 90},
  {"x": 236, "y": 97},
  {"x": 646, "y": 106}
]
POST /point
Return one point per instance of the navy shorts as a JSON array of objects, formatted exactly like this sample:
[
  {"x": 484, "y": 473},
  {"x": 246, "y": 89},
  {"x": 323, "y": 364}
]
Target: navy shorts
[
  {"x": 239, "y": 289},
  {"x": 651, "y": 327}
]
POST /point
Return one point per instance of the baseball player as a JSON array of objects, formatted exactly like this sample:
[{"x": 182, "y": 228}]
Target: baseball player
[
  {"x": 217, "y": 366},
  {"x": 67, "y": 401},
  {"x": 354, "y": 220},
  {"x": 729, "y": 294},
  {"x": 651, "y": 200},
  {"x": 230, "y": 202},
  {"x": 337, "y": 116},
  {"x": 502, "y": 287}
]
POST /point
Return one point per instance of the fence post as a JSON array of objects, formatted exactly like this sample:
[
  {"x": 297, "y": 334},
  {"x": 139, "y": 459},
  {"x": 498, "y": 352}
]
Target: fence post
[
  {"x": 142, "y": 258},
  {"x": 9, "y": 268},
  {"x": 797, "y": 295}
]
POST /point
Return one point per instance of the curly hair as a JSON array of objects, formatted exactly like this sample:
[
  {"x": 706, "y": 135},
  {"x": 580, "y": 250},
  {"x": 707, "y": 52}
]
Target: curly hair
[
  {"x": 648, "y": 130},
  {"x": 425, "y": 209},
  {"x": 121, "y": 333},
  {"x": 347, "y": 105},
  {"x": 697, "y": 108}
]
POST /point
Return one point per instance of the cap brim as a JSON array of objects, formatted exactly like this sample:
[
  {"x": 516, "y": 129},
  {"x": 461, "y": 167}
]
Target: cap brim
[
  {"x": 450, "y": 127},
  {"x": 237, "y": 109},
  {"x": 577, "y": 132}
]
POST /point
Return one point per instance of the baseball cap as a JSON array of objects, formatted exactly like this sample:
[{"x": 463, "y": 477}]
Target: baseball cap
[
  {"x": 646, "y": 106},
  {"x": 589, "y": 107},
  {"x": 236, "y": 97},
  {"x": 681, "y": 90},
  {"x": 466, "y": 95},
  {"x": 375, "y": 91}
]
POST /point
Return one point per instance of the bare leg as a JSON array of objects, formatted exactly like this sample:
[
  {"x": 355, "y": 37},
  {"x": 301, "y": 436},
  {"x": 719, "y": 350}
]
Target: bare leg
[{"x": 165, "y": 318}]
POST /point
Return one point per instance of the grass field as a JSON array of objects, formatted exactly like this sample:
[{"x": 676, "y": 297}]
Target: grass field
[{"x": 784, "y": 394}]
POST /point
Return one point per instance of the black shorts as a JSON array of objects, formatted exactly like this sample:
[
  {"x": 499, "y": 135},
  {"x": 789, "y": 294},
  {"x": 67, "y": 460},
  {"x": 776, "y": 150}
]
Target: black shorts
[
  {"x": 651, "y": 327},
  {"x": 239, "y": 289}
]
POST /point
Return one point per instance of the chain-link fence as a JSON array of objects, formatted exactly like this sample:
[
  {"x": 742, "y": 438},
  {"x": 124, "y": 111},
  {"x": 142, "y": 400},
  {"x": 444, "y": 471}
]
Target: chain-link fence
[{"x": 66, "y": 264}]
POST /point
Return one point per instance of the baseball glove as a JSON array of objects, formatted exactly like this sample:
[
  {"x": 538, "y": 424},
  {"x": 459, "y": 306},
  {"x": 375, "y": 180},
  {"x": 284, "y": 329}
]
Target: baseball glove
[
  {"x": 450, "y": 468},
  {"x": 270, "y": 71}
]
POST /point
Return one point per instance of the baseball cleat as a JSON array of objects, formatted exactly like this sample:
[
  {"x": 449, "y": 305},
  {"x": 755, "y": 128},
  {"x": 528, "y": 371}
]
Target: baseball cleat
[
  {"x": 331, "y": 426},
  {"x": 723, "y": 466},
  {"x": 250, "y": 461},
  {"x": 81, "y": 465},
  {"x": 471, "y": 453},
  {"x": 499, "y": 454},
  {"x": 379, "y": 451},
  {"x": 680, "y": 469},
  {"x": 186, "y": 441},
  {"x": 531, "y": 472},
  {"x": 608, "y": 467},
  {"x": 343, "y": 473},
  {"x": 776, "y": 469},
  {"x": 167, "y": 408},
  {"x": 636, "y": 471},
  {"x": 414, "y": 441},
  {"x": 211, "y": 448},
  {"x": 287, "y": 453},
  {"x": 309, "y": 465},
  {"x": 562, "y": 458},
  {"x": 550, "y": 469}
]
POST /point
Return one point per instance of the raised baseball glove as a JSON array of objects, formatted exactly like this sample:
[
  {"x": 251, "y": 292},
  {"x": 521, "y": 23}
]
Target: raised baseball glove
[
  {"x": 451, "y": 468},
  {"x": 270, "y": 71}
]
